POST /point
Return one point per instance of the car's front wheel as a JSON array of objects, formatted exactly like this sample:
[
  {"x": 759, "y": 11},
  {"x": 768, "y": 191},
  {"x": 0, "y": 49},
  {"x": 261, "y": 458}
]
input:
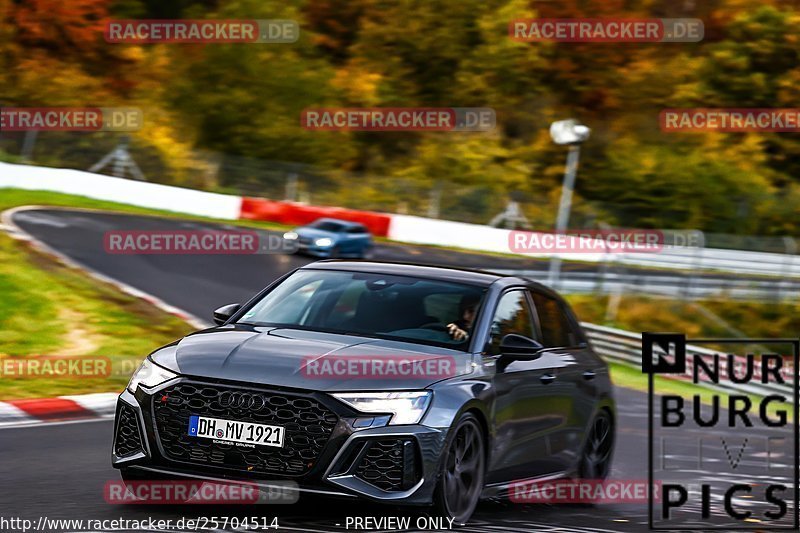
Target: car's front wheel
[
  {"x": 596, "y": 458},
  {"x": 462, "y": 471}
]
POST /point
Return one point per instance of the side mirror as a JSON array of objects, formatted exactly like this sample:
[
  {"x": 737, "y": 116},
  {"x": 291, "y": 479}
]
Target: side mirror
[
  {"x": 520, "y": 347},
  {"x": 222, "y": 314}
]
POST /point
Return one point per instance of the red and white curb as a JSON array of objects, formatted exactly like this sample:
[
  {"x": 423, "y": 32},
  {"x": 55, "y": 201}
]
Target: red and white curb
[{"x": 62, "y": 408}]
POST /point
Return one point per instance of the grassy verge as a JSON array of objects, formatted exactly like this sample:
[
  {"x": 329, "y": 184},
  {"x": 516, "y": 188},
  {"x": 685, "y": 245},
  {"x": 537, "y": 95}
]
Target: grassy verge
[
  {"x": 630, "y": 377},
  {"x": 48, "y": 309},
  {"x": 697, "y": 319}
]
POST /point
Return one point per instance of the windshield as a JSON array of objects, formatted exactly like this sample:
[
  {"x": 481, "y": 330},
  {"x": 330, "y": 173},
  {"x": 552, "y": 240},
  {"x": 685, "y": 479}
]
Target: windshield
[
  {"x": 327, "y": 225},
  {"x": 375, "y": 305}
]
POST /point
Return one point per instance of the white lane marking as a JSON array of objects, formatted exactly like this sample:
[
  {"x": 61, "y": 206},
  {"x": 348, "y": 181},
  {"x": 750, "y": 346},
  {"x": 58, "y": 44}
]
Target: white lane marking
[
  {"x": 42, "y": 220},
  {"x": 28, "y": 424}
]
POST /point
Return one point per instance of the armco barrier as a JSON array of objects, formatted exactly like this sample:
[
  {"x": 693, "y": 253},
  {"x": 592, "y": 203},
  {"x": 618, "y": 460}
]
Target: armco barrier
[
  {"x": 626, "y": 347},
  {"x": 686, "y": 286},
  {"x": 295, "y": 214},
  {"x": 419, "y": 230},
  {"x": 401, "y": 228},
  {"x": 124, "y": 191}
]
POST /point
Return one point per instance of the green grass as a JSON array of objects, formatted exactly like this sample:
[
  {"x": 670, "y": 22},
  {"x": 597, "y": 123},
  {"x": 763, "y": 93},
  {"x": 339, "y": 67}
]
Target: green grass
[
  {"x": 631, "y": 377},
  {"x": 48, "y": 309},
  {"x": 698, "y": 319}
]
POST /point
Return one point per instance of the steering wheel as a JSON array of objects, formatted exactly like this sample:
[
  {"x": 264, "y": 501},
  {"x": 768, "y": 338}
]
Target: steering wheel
[{"x": 435, "y": 326}]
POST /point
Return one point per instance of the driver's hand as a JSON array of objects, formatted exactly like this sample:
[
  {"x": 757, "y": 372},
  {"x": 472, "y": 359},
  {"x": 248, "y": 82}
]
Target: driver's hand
[{"x": 456, "y": 332}]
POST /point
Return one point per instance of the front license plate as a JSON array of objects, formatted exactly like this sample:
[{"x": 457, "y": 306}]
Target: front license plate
[{"x": 233, "y": 431}]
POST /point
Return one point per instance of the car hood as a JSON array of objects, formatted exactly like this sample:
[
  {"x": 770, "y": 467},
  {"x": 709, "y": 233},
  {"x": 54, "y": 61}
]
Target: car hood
[{"x": 307, "y": 359}]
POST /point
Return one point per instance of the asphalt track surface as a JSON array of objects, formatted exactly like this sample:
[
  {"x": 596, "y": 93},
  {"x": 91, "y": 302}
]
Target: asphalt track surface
[{"x": 59, "y": 471}]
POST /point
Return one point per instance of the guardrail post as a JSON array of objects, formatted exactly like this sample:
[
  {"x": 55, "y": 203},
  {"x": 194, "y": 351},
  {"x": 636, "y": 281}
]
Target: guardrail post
[
  {"x": 791, "y": 250},
  {"x": 605, "y": 263},
  {"x": 28, "y": 144},
  {"x": 697, "y": 264},
  {"x": 291, "y": 187}
]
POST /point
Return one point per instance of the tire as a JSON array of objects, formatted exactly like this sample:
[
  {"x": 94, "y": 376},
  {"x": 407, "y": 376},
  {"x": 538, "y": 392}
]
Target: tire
[
  {"x": 595, "y": 462},
  {"x": 462, "y": 471}
]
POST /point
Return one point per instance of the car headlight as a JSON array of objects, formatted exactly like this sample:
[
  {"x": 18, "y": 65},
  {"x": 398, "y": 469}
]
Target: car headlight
[
  {"x": 149, "y": 375},
  {"x": 290, "y": 236},
  {"x": 323, "y": 242},
  {"x": 405, "y": 407}
]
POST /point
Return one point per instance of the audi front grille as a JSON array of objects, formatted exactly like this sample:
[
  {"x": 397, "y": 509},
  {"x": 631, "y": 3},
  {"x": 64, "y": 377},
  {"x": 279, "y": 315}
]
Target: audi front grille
[{"x": 307, "y": 427}]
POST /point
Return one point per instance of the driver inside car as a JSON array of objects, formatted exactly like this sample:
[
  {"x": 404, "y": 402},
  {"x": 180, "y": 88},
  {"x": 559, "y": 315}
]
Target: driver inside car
[{"x": 459, "y": 329}]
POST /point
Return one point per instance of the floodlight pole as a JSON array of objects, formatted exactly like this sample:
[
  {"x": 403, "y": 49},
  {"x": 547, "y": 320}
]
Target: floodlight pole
[{"x": 562, "y": 219}]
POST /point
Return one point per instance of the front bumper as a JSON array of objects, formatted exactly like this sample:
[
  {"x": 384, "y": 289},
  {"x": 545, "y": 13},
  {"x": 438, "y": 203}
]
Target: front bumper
[
  {"x": 387, "y": 463},
  {"x": 312, "y": 249}
]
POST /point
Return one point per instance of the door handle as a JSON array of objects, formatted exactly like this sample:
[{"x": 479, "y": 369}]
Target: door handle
[
  {"x": 589, "y": 374},
  {"x": 547, "y": 379}
]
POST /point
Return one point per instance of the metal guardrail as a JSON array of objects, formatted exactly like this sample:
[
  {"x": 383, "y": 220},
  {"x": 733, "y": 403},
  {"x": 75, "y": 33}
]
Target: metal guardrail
[
  {"x": 689, "y": 286},
  {"x": 739, "y": 261},
  {"x": 625, "y": 346}
]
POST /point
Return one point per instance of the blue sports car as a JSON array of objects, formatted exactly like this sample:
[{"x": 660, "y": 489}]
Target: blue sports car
[{"x": 329, "y": 237}]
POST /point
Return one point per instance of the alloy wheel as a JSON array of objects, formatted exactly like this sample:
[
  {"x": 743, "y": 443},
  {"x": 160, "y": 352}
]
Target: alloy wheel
[
  {"x": 596, "y": 461},
  {"x": 463, "y": 472}
]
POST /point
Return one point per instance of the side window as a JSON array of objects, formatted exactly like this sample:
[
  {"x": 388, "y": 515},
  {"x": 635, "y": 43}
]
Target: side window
[
  {"x": 511, "y": 316},
  {"x": 556, "y": 327}
]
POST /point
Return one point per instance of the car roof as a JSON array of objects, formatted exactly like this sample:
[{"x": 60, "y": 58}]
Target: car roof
[
  {"x": 346, "y": 223},
  {"x": 435, "y": 272}
]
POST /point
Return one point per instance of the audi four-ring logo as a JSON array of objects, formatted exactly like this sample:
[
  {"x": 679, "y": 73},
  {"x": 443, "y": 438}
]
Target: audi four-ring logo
[{"x": 242, "y": 400}]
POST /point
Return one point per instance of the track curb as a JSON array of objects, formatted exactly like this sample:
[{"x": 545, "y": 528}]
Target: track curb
[{"x": 58, "y": 409}]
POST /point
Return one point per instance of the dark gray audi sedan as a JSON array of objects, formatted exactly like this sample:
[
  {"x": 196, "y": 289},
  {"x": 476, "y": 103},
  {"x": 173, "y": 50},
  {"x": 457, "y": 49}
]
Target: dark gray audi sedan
[{"x": 389, "y": 382}]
